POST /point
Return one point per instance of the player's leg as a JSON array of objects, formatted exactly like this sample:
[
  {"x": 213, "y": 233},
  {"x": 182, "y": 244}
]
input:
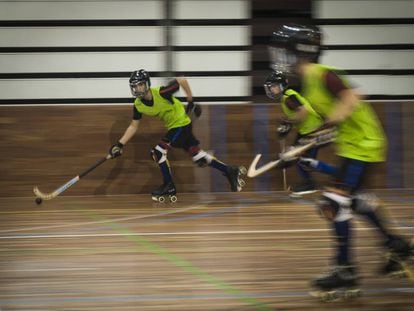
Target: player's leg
[
  {"x": 159, "y": 155},
  {"x": 233, "y": 174},
  {"x": 368, "y": 206},
  {"x": 335, "y": 206},
  {"x": 202, "y": 158},
  {"x": 317, "y": 166},
  {"x": 307, "y": 184},
  {"x": 308, "y": 163},
  {"x": 398, "y": 248}
]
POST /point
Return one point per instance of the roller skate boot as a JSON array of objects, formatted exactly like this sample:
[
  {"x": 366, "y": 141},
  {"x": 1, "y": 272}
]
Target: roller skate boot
[
  {"x": 234, "y": 175},
  {"x": 164, "y": 192},
  {"x": 340, "y": 283},
  {"x": 399, "y": 259}
]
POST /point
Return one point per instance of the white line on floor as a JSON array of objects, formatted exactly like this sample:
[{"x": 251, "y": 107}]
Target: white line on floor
[{"x": 65, "y": 236}]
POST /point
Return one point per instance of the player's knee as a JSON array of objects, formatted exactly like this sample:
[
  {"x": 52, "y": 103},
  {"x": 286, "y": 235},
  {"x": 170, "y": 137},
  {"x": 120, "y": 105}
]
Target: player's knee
[
  {"x": 335, "y": 207},
  {"x": 159, "y": 154},
  {"x": 365, "y": 202},
  {"x": 202, "y": 158}
]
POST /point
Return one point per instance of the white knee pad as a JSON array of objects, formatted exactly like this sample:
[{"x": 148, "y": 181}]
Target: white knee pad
[
  {"x": 335, "y": 207},
  {"x": 202, "y": 158},
  {"x": 365, "y": 202},
  {"x": 159, "y": 154}
]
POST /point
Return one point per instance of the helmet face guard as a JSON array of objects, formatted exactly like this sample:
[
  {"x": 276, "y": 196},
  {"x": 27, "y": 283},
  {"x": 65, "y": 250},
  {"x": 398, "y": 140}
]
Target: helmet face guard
[
  {"x": 139, "y": 89},
  {"x": 282, "y": 59},
  {"x": 292, "y": 42},
  {"x": 270, "y": 91},
  {"x": 139, "y": 83},
  {"x": 275, "y": 84}
]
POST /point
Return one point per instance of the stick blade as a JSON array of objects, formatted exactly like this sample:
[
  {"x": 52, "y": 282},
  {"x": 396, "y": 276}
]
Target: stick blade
[
  {"x": 254, "y": 171},
  {"x": 43, "y": 196},
  {"x": 252, "y": 168}
]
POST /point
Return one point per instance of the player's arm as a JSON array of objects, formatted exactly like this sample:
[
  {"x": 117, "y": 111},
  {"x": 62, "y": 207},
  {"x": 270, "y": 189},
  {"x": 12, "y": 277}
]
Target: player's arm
[
  {"x": 191, "y": 106},
  {"x": 293, "y": 104},
  {"x": 347, "y": 99},
  {"x": 116, "y": 149},
  {"x": 186, "y": 87},
  {"x": 129, "y": 132}
]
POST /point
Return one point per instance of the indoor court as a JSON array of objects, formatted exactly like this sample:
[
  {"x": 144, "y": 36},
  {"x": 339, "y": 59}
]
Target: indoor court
[
  {"x": 67, "y": 100},
  {"x": 221, "y": 251}
]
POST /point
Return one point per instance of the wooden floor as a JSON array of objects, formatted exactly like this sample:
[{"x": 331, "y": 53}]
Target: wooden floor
[{"x": 243, "y": 251}]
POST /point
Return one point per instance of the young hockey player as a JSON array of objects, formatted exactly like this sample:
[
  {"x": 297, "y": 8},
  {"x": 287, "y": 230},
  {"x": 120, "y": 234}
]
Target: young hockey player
[{"x": 160, "y": 102}]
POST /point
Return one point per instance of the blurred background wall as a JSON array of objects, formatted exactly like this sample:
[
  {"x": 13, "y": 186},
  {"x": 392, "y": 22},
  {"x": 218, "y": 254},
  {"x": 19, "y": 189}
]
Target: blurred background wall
[{"x": 64, "y": 95}]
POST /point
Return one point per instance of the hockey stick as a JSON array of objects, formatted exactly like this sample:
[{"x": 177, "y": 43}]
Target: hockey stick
[
  {"x": 282, "y": 149},
  {"x": 285, "y": 156},
  {"x": 54, "y": 194}
]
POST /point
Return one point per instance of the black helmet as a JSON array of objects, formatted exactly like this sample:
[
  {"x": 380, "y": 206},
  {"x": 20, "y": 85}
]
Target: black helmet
[
  {"x": 139, "y": 77},
  {"x": 275, "y": 78},
  {"x": 292, "y": 41}
]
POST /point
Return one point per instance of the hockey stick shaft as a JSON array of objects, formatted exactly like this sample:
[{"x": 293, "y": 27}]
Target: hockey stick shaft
[
  {"x": 282, "y": 149},
  {"x": 49, "y": 196}
]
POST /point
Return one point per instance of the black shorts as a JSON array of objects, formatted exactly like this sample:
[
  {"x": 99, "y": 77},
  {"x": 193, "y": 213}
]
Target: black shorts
[{"x": 181, "y": 137}]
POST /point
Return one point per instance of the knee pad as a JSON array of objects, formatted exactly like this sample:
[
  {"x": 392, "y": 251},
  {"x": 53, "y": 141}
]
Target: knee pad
[
  {"x": 202, "y": 158},
  {"x": 335, "y": 207},
  {"x": 159, "y": 154},
  {"x": 365, "y": 202}
]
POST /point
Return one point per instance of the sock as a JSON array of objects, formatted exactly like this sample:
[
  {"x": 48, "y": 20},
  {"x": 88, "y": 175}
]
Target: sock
[
  {"x": 375, "y": 220},
  {"x": 165, "y": 171},
  {"x": 342, "y": 230},
  {"x": 218, "y": 165}
]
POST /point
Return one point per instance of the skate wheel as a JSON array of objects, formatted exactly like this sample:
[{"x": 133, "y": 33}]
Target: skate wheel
[
  {"x": 332, "y": 296},
  {"x": 161, "y": 199},
  {"x": 242, "y": 183},
  {"x": 242, "y": 170},
  {"x": 352, "y": 293},
  {"x": 173, "y": 198}
]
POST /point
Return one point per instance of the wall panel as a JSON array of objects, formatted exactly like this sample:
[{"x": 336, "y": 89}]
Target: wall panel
[
  {"x": 81, "y": 36},
  {"x": 115, "y": 87},
  {"x": 80, "y": 62},
  {"x": 368, "y": 34},
  {"x": 57, "y": 10},
  {"x": 369, "y": 59},
  {"x": 364, "y": 8},
  {"x": 212, "y": 61},
  {"x": 217, "y": 35},
  {"x": 212, "y": 9}
]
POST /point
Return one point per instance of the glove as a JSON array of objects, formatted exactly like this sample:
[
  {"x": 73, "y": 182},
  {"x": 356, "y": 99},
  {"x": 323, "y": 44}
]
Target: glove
[
  {"x": 116, "y": 150},
  {"x": 322, "y": 136},
  {"x": 284, "y": 128},
  {"x": 192, "y": 107}
]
